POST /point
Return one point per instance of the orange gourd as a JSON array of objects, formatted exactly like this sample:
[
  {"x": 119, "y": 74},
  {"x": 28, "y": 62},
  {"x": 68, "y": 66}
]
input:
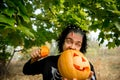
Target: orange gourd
[
  {"x": 44, "y": 51},
  {"x": 73, "y": 64}
]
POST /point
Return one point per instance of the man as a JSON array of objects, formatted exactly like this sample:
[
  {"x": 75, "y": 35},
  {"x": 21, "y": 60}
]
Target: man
[{"x": 72, "y": 37}]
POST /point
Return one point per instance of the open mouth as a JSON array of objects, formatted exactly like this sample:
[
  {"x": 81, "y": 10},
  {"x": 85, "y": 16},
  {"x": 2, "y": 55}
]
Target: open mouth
[{"x": 79, "y": 68}]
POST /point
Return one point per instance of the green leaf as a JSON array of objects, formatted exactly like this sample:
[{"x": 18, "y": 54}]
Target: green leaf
[
  {"x": 26, "y": 31},
  {"x": 23, "y": 12},
  {"x": 117, "y": 25},
  {"x": 111, "y": 45},
  {"x": 11, "y": 3},
  {"x": 25, "y": 18},
  {"x": 9, "y": 11},
  {"x": 7, "y": 20},
  {"x": 22, "y": 7},
  {"x": 10, "y": 27},
  {"x": 101, "y": 36},
  {"x": 15, "y": 38}
]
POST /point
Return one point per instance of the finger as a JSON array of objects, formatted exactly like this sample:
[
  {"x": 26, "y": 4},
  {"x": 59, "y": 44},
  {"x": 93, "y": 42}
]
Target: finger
[
  {"x": 74, "y": 79},
  {"x": 91, "y": 73},
  {"x": 35, "y": 53},
  {"x": 64, "y": 78},
  {"x": 38, "y": 53}
]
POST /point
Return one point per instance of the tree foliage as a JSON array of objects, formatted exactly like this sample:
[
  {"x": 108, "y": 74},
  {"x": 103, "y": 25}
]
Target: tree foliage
[{"x": 20, "y": 25}]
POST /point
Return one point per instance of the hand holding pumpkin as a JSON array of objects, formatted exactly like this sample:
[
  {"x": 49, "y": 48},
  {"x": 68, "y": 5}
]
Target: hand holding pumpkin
[
  {"x": 91, "y": 74},
  {"x": 41, "y": 52}
]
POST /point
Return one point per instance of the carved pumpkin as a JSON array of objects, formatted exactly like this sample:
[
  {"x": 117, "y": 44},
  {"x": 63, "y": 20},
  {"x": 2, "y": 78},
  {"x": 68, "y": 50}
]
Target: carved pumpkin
[
  {"x": 44, "y": 51},
  {"x": 73, "y": 64}
]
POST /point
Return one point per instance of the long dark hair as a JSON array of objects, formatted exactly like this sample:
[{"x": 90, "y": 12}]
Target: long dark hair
[{"x": 66, "y": 31}]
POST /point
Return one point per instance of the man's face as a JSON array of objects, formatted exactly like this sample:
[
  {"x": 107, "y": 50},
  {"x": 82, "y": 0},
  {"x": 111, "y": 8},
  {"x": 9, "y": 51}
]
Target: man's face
[{"x": 73, "y": 41}]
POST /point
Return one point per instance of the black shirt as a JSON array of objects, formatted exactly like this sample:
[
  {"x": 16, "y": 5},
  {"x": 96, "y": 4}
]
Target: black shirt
[{"x": 48, "y": 68}]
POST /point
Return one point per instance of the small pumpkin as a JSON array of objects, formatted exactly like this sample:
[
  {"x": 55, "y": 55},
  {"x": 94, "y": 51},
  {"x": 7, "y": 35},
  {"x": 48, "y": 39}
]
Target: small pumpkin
[
  {"x": 44, "y": 51},
  {"x": 73, "y": 64}
]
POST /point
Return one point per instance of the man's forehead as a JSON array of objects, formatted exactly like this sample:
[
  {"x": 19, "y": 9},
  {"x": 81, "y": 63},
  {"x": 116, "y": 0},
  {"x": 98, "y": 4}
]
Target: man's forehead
[{"x": 75, "y": 36}]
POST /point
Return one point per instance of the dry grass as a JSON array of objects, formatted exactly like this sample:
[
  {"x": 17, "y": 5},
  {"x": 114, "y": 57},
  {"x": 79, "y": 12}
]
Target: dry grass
[{"x": 106, "y": 63}]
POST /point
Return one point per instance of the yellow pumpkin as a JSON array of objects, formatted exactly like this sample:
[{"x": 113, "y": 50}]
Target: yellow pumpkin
[{"x": 73, "y": 64}]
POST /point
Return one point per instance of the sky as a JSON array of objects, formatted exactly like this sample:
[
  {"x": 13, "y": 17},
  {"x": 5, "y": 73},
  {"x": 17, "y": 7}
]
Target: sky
[{"x": 94, "y": 36}]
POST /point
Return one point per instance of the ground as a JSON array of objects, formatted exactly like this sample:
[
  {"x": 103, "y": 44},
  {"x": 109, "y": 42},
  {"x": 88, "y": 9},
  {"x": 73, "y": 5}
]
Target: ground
[{"x": 106, "y": 64}]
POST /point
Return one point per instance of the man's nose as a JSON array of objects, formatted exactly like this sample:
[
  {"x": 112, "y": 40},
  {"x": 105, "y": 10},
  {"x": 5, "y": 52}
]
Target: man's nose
[{"x": 72, "y": 47}]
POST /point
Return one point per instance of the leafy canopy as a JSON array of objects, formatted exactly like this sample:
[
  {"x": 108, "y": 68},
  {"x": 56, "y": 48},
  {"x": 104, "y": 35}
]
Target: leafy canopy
[{"x": 20, "y": 25}]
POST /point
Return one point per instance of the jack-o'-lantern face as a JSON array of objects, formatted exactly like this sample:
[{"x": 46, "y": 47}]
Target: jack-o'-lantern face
[
  {"x": 73, "y": 64},
  {"x": 79, "y": 62}
]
